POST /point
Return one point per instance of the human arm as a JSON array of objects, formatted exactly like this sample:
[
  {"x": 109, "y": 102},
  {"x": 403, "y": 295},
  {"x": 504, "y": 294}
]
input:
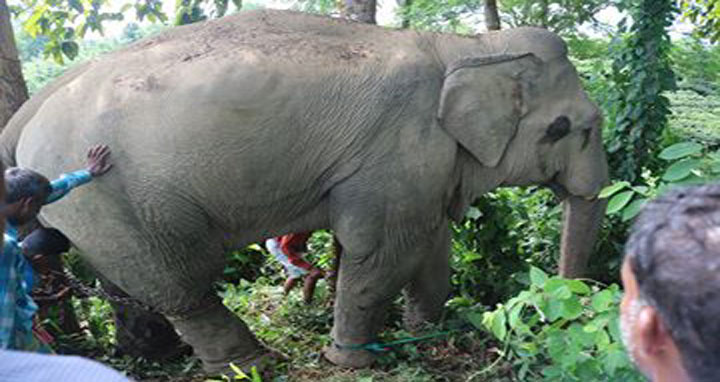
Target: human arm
[{"x": 98, "y": 164}]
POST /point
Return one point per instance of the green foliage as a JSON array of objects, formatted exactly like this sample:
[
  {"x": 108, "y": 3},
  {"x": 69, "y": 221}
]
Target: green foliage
[
  {"x": 190, "y": 11},
  {"x": 641, "y": 72},
  {"x": 450, "y": 16},
  {"x": 63, "y": 22},
  {"x": 460, "y": 16},
  {"x": 561, "y": 16},
  {"x": 695, "y": 117},
  {"x": 686, "y": 163},
  {"x": 323, "y": 7},
  {"x": 503, "y": 232},
  {"x": 705, "y": 15},
  {"x": 239, "y": 375},
  {"x": 561, "y": 330},
  {"x": 697, "y": 66},
  {"x": 39, "y": 71}
]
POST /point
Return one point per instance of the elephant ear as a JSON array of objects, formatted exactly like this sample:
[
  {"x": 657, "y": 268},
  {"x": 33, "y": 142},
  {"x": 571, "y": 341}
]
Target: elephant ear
[{"x": 482, "y": 101}]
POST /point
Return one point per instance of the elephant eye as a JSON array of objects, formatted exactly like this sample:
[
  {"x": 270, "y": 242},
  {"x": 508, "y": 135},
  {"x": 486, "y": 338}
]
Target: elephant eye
[{"x": 558, "y": 129}]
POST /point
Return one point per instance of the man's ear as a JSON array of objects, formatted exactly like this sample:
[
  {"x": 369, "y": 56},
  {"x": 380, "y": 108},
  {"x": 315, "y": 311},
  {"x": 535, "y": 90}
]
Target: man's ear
[{"x": 653, "y": 336}]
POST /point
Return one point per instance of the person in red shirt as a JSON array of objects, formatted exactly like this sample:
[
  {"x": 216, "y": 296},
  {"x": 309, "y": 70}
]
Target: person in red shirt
[{"x": 289, "y": 250}]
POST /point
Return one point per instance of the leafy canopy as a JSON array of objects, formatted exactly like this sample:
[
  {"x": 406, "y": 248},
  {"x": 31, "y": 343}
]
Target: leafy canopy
[{"x": 62, "y": 22}]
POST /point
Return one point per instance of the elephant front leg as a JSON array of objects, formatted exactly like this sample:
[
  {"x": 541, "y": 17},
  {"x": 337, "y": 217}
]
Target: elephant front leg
[
  {"x": 429, "y": 287},
  {"x": 367, "y": 284}
]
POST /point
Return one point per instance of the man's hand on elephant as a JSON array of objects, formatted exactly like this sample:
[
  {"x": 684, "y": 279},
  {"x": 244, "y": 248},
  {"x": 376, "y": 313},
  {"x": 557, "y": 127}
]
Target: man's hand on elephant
[{"x": 97, "y": 159}]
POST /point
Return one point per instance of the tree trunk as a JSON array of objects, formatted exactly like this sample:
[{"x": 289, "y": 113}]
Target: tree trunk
[
  {"x": 13, "y": 91},
  {"x": 360, "y": 10},
  {"x": 492, "y": 18}
]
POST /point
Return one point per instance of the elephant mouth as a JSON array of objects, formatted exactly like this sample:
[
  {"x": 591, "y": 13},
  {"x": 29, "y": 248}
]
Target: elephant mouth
[{"x": 558, "y": 189}]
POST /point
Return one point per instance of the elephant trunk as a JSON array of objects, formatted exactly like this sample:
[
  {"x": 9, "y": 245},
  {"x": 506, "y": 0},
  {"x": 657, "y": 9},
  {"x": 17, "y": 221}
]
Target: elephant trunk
[{"x": 581, "y": 222}]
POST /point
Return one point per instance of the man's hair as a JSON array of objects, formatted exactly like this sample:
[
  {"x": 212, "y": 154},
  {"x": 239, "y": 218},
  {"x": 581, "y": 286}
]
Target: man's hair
[
  {"x": 23, "y": 183},
  {"x": 674, "y": 253},
  {"x": 45, "y": 241}
]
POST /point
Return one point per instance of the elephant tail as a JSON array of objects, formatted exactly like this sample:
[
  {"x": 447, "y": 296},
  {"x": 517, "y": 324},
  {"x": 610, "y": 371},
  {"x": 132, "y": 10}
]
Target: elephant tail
[{"x": 12, "y": 132}]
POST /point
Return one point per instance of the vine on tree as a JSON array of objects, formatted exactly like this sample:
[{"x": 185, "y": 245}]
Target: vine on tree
[{"x": 641, "y": 72}]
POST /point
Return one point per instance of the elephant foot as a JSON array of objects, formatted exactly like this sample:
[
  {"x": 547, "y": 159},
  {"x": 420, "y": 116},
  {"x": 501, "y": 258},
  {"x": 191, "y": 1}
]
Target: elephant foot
[
  {"x": 349, "y": 358},
  {"x": 218, "y": 337},
  {"x": 416, "y": 320}
]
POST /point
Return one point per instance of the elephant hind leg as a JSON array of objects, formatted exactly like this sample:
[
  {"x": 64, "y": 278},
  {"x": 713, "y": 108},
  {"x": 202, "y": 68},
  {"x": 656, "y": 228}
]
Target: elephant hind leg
[
  {"x": 220, "y": 338},
  {"x": 174, "y": 274}
]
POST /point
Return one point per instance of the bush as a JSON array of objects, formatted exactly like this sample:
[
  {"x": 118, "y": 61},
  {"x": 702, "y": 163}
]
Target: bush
[
  {"x": 504, "y": 232},
  {"x": 695, "y": 117},
  {"x": 561, "y": 330}
]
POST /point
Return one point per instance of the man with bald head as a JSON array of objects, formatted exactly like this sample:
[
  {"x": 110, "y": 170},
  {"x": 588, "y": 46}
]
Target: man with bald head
[{"x": 670, "y": 314}]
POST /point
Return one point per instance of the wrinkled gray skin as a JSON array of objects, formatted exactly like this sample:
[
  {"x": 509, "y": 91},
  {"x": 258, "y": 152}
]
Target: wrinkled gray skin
[{"x": 271, "y": 122}]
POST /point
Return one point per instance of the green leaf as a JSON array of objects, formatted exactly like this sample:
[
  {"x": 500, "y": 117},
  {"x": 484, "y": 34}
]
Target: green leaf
[
  {"x": 578, "y": 287},
  {"x": 612, "y": 189},
  {"x": 498, "y": 325},
  {"x": 554, "y": 309},
  {"x": 680, "y": 150},
  {"x": 633, "y": 209},
  {"x": 239, "y": 374},
  {"x": 642, "y": 190},
  {"x": 679, "y": 170},
  {"x": 602, "y": 301},
  {"x": 255, "y": 374},
  {"x": 619, "y": 201},
  {"x": 614, "y": 360},
  {"x": 473, "y": 213},
  {"x": 76, "y": 5},
  {"x": 476, "y": 319},
  {"x": 514, "y": 315},
  {"x": 558, "y": 288},
  {"x": 70, "y": 49},
  {"x": 572, "y": 308},
  {"x": 537, "y": 276}
]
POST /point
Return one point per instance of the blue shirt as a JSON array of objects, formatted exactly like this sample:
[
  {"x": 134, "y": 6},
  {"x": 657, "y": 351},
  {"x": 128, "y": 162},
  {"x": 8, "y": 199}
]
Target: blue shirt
[
  {"x": 16, "y": 275},
  {"x": 66, "y": 182},
  {"x": 30, "y": 367}
]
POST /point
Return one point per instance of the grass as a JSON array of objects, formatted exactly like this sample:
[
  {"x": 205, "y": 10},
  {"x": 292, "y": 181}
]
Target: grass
[{"x": 300, "y": 331}]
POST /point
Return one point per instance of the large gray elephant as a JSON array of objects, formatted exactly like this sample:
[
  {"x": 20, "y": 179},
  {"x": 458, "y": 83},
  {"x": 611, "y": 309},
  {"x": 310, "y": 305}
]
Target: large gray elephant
[{"x": 271, "y": 122}]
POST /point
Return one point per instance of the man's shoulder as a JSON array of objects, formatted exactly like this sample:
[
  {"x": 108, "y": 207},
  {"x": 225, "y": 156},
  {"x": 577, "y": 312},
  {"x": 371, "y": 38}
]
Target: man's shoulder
[{"x": 31, "y": 367}]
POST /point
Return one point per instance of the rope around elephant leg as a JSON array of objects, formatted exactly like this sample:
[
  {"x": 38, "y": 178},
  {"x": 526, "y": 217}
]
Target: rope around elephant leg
[{"x": 384, "y": 347}]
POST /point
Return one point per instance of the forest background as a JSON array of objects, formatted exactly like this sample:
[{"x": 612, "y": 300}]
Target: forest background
[{"x": 652, "y": 66}]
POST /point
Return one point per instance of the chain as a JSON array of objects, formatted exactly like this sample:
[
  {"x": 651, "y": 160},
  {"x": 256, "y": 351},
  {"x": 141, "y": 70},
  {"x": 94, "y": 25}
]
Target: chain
[{"x": 83, "y": 289}]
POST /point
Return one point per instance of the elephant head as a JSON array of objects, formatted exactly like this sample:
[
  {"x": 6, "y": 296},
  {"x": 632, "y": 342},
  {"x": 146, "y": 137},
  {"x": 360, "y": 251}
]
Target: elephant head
[{"x": 524, "y": 119}]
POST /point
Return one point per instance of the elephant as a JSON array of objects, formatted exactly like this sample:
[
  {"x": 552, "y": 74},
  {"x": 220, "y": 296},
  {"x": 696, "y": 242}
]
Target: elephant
[{"x": 270, "y": 122}]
